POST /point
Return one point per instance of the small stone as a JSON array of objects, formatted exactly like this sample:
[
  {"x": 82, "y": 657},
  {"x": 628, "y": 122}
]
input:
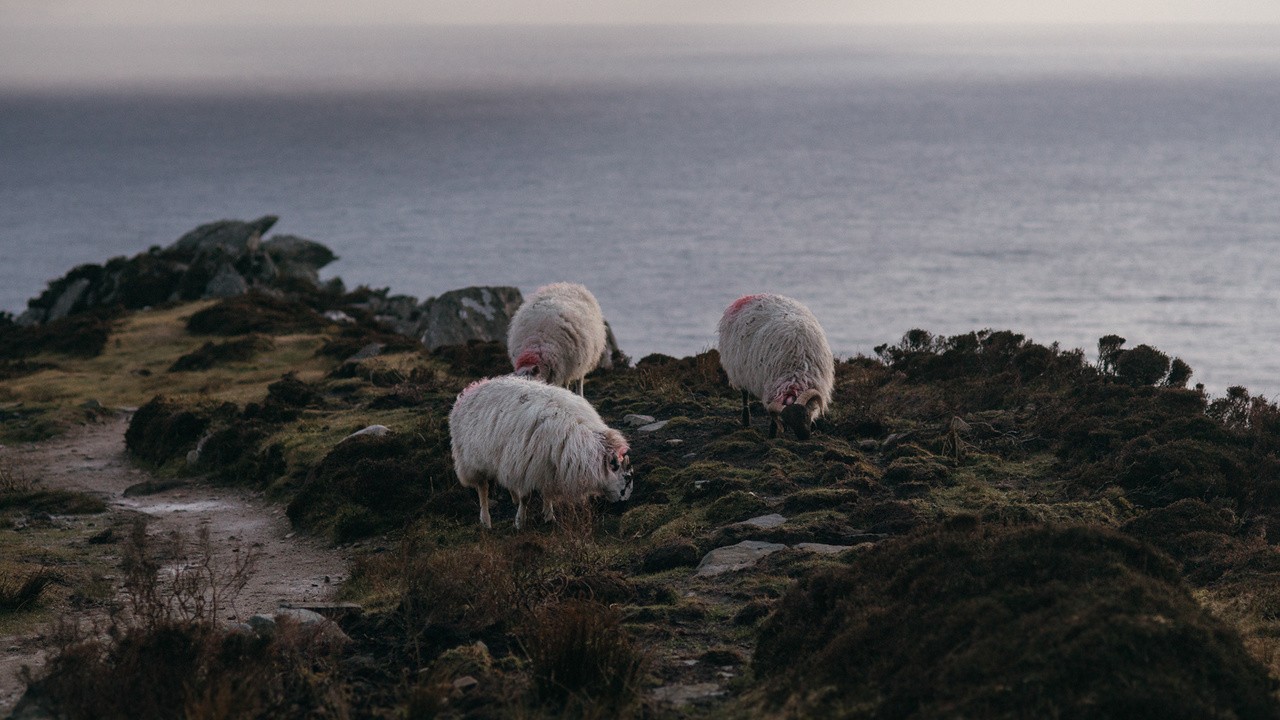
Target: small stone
[
  {"x": 339, "y": 317},
  {"x": 375, "y": 430},
  {"x": 868, "y": 444},
  {"x": 675, "y": 441},
  {"x": 896, "y": 438},
  {"x": 91, "y": 404},
  {"x": 637, "y": 420},
  {"x": 652, "y": 427},
  {"x": 465, "y": 683}
]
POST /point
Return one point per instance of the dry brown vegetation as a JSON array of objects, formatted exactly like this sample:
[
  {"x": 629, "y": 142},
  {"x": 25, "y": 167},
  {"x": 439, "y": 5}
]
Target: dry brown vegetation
[{"x": 1028, "y": 532}]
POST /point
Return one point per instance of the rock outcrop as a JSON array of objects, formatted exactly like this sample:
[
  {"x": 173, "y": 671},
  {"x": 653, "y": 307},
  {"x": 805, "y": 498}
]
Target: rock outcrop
[
  {"x": 215, "y": 260},
  {"x": 228, "y": 258},
  {"x": 460, "y": 316}
]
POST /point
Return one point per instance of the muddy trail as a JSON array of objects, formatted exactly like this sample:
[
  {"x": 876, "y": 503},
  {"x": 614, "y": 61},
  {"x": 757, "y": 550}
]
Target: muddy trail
[{"x": 290, "y": 568}]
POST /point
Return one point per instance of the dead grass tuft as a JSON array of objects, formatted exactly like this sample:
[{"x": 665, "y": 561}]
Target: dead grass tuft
[{"x": 581, "y": 657}]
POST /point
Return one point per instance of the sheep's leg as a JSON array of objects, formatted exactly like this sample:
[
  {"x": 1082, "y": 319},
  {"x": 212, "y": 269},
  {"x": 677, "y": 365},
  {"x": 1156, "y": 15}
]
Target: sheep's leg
[
  {"x": 581, "y": 380},
  {"x": 521, "y": 513},
  {"x": 482, "y": 489},
  {"x": 773, "y": 426},
  {"x": 548, "y": 511},
  {"x": 746, "y": 409}
]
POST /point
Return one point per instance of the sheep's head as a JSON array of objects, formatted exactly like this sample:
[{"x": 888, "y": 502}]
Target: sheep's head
[
  {"x": 617, "y": 466},
  {"x": 532, "y": 364},
  {"x": 798, "y": 417},
  {"x": 533, "y": 372}
]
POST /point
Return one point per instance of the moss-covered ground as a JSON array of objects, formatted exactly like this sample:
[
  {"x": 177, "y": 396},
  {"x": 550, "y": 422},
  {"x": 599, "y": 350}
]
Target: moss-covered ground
[{"x": 1017, "y": 529}]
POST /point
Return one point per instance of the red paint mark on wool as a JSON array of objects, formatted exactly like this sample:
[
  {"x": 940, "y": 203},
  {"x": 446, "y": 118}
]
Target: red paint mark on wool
[
  {"x": 528, "y": 358},
  {"x": 787, "y": 395},
  {"x": 740, "y": 303},
  {"x": 471, "y": 387}
]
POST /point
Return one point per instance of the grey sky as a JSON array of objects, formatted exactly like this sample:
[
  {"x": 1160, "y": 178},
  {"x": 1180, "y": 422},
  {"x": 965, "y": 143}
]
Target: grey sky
[{"x": 349, "y": 12}]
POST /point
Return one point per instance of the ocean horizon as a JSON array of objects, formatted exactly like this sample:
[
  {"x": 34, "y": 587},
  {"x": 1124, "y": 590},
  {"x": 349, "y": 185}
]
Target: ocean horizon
[{"x": 1061, "y": 183}]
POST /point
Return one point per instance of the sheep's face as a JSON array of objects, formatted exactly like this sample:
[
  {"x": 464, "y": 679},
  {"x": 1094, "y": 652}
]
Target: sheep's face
[
  {"x": 618, "y": 469},
  {"x": 796, "y": 419}
]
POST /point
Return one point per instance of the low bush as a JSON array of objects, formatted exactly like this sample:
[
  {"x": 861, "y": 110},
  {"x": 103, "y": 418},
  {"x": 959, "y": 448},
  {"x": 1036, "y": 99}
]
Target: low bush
[{"x": 990, "y": 621}]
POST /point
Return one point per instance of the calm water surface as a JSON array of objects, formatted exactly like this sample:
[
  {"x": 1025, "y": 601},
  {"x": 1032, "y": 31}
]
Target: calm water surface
[{"x": 1063, "y": 185}]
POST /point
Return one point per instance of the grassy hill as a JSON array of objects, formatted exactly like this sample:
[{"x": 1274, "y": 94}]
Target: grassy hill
[{"x": 983, "y": 526}]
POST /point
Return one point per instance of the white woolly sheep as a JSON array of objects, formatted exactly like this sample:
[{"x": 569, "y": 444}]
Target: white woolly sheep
[
  {"x": 774, "y": 348},
  {"x": 526, "y": 435},
  {"x": 557, "y": 335}
]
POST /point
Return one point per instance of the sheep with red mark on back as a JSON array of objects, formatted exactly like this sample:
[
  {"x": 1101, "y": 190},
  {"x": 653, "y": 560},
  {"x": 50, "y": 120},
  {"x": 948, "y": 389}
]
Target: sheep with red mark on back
[
  {"x": 773, "y": 347},
  {"x": 526, "y": 436},
  {"x": 557, "y": 335}
]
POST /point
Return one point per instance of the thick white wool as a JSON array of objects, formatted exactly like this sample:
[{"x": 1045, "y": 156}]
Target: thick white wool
[
  {"x": 775, "y": 349},
  {"x": 560, "y": 330},
  {"x": 525, "y": 435}
]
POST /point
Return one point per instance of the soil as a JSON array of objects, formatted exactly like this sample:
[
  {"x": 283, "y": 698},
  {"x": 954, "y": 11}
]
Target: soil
[{"x": 291, "y": 568}]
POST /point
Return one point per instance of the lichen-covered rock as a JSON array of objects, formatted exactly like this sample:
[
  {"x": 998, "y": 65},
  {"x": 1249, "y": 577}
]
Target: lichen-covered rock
[{"x": 473, "y": 313}]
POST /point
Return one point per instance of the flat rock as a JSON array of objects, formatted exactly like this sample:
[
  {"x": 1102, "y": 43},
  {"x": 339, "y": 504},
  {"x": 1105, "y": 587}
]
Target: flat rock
[
  {"x": 691, "y": 694},
  {"x": 234, "y": 235},
  {"x": 736, "y": 557},
  {"x": 637, "y": 420},
  {"x": 822, "y": 548},
  {"x": 764, "y": 522},
  {"x": 653, "y": 427}
]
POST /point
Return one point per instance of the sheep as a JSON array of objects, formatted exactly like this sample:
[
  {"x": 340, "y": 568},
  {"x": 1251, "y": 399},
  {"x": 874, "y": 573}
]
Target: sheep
[
  {"x": 526, "y": 435},
  {"x": 557, "y": 335},
  {"x": 774, "y": 348}
]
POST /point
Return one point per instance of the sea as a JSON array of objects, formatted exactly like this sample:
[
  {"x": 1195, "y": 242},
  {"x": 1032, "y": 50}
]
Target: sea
[{"x": 1063, "y": 183}]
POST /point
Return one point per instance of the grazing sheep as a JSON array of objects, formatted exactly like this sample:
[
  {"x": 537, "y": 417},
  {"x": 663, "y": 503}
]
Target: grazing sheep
[
  {"x": 557, "y": 335},
  {"x": 526, "y": 435},
  {"x": 772, "y": 347}
]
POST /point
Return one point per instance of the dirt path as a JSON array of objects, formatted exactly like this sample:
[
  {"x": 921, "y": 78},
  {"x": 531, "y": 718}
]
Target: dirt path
[{"x": 291, "y": 568}]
